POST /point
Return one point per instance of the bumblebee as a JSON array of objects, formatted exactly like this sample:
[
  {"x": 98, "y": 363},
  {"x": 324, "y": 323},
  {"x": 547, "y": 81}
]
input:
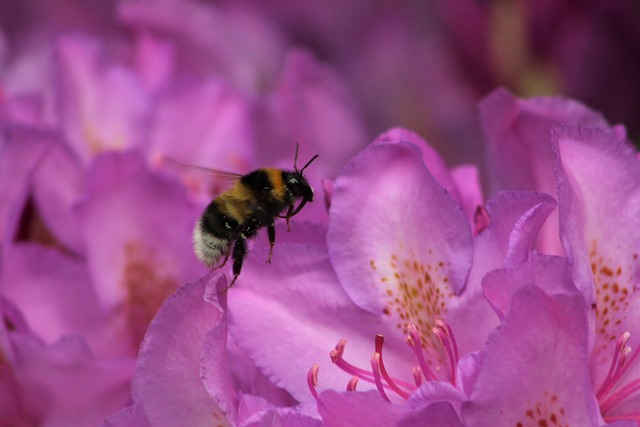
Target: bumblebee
[{"x": 254, "y": 201}]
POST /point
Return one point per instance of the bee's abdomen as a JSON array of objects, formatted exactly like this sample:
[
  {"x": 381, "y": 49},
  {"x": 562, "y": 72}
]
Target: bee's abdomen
[{"x": 213, "y": 233}]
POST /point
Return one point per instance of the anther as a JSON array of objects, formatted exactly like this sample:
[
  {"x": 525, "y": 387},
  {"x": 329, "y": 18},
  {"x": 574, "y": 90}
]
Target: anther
[
  {"x": 375, "y": 367},
  {"x": 417, "y": 375},
  {"x": 443, "y": 332},
  {"x": 623, "y": 358},
  {"x": 338, "y": 360},
  {"x": 415, "y": 343},
  {"x": 312, "y": 379},
  {"x": 394, "y": 386}
]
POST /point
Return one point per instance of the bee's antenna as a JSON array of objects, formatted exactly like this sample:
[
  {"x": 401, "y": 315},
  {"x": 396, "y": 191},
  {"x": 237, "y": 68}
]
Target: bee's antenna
[
  {"x": 295, "y": 161},
  {"x": 308, "y": 163}
]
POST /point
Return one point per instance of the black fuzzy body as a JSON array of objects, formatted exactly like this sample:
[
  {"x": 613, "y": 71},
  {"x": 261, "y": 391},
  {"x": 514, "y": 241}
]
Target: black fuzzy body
[{"x": 255, "y": 201}]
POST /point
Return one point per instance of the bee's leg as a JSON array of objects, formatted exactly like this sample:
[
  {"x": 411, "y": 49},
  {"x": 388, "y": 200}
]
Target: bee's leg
[
  {"x": 288, "y": 216},
  {"x": 239, "y": 252},
  {"x": 271, "y": 231},
  {"x": 226, "y": 258}
]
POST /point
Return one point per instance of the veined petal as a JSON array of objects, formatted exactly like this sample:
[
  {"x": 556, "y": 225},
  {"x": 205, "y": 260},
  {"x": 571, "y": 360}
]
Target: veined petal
[
  {"x": 432, "y": 160},
  {"x": 517, "y": 133},
  {"x": 21, "y": 149},
  {"x": 288, "y": 315},
  {"x": 598, "y": 177},
  {"x": 535, "y": 368},
  {"x": 358, "y": 409},
  {"x": 214, "y": 362},
  {"x": 63, "y": 384},
  {"x": 394, "y": 231},
  {"x": 550, "y": 273},
  {"x": 400, "y": 246},
  {"x": 102, "y": 108},
  {"x": 369, "y": 409},
  {"x": 129, "y": 416},
  {"x": 58, "y": 186},
  {"x": 467, "y": 180},
  {"x": 167, "y": 381},
  {"x": 515, "y": 219},
  {"x": 52, "y": 290},
  {"x": 136, "y": 263}
]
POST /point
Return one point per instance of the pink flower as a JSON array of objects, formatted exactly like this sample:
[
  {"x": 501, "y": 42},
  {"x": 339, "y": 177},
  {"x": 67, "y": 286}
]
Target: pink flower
[
  {"x": 183, "y": 376},
  {"x": 597, "y": 174},
  {"x": 397, "y": 265},
  {"x": 520, "y": 156},
  {"x": 100, "y": 107},
  {"x": 59, "y": 382},
  {"x": 599, "y": 207},
  {"x": 534, "y": 370}
]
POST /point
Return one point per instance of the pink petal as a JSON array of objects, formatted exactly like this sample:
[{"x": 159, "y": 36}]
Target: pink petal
[
  {"x": 515, "y": 219},
  {"x": 598, "y": 177},
  {"x": 520, "y": 155},
  {"x": 102, "y": 108},
  {"x": 137, "y": 235},
  {"x": 59, "y": 185},
  {"x": 214, "y": 361},
  {"x": 62, "y": 384},
  {"x": 358, "y": 409},
  {"x": 129, "y": 416},
  {"x": 550, "y": 273},
  {"x": 297, "y": 303},
  {"x": 167, "y": 381},
  {"x": 432, "y": 160},
  {"x": 388, "y": 218},
  {"x": 40, "y": 281},
  {"x": 467, "y": 181},
  {"x": 20, "y": 151},
  {"x": 535, "y": 367},
  {"x": 204, "y": 124},
  {"x": 312, "y": 106}
]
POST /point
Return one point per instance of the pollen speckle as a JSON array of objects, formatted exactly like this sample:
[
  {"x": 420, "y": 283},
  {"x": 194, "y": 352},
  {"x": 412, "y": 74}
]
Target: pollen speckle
[
  {"x": 613, "y": 279},
  {"x": 417, "y": 292},
  {"x": 546, "y": 412}
]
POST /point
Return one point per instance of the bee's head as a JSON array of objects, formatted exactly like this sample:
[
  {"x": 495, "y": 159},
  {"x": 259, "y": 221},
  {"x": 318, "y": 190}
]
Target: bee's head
[
  {"x": 299, "y": 186},
  {"x": 297, "y": 183}
]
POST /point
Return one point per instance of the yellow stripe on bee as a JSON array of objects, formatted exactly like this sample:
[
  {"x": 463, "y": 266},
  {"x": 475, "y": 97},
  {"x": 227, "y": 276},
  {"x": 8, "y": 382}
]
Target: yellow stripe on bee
[
  {"x": 277, "y": 183},
  {"x": 236, "y": 202},
  {"x": 240, "y": 192}
]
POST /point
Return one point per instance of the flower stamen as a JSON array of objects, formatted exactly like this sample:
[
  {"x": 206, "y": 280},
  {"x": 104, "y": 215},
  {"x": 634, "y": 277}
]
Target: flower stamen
[
  {"x": 379, "y": 374},
  {"x": 623, "y": 358},
  {"x": 375, "y": 367},
  {"x": 351, "y": 385},
  {"x": 337, "y": 359},
  {"x": 379, "y": 344},
  {"x": 618, "y": 354},
  {"x": 416, "y": 345},
  {"x": 312, "y": 379},
  {"x": 417, "y": 375},
  {"x": 444, "y": 333}
]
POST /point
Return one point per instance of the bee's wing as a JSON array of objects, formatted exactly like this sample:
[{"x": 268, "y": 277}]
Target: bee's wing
[{"x": 195, "y": 176}]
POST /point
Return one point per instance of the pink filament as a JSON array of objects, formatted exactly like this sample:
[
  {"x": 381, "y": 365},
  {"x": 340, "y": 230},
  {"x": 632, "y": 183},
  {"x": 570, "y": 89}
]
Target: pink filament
[
  {"x": 623, "y": 359},
  {"x": 312, "y": 379}
]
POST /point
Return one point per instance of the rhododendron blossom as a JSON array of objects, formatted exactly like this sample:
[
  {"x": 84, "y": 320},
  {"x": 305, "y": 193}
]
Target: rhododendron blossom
[{"x": 474, "y": 264}]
